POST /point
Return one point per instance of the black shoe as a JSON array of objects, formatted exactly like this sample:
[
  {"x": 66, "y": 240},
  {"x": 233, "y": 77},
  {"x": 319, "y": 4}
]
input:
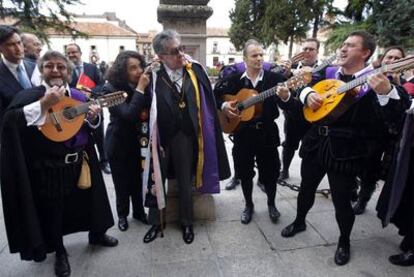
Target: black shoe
[
  {"x": 403, "y": 259},
  {"x": 232, "y": 184},
  {"x": 360, "y": 206},
  {"x": 261, "y": 186},
  {"x": 105, "y": 168},
  {"x": 152, "y": 233},
  {"x": 284, "y": 175},
  {"x": 188, "y": 233},
  {"x": 342, "y": 255},
  {"x": 292, "y": 229},
  {"x": 123, "y": 224},
  {"x": 274, "y": 214},
  {"x": 62, "y": 266},
  {"x": 141, "y": 217},
  {"x": 246, "y": 215},
  {"x": 102, "y": 240}
]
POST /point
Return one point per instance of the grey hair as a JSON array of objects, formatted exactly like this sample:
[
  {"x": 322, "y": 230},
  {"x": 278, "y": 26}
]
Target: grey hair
[
  {"x": 248, "y": 43},
  {"x": 55, "y": 54},
  {"x": 160, "y": 40}
]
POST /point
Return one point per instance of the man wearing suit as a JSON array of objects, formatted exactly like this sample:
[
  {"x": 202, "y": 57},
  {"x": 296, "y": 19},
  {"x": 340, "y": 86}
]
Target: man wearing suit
[
  {"x": 15, "y": 73},
  {"x": 74, "y": 53},
  {"x": 190, "y": 137}
]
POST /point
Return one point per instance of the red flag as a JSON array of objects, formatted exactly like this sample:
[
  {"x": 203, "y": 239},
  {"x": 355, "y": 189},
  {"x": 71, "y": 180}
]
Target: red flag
[{"x": 85, "y": 83}]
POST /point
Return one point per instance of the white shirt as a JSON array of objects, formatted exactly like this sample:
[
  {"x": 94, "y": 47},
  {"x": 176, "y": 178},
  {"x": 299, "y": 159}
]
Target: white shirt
[
  {"x": 13, "y": 68},
  {"x": 33, "y": 111},
  {"x": 176, "y": 76}
]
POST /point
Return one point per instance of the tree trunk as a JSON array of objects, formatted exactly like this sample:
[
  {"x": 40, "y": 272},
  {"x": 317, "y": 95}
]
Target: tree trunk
[
  {"x": 290, "y": 46},
  {"x": 316, "y": 26}
]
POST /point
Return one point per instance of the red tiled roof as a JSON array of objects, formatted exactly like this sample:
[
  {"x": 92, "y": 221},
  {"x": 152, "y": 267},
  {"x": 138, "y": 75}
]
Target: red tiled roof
[{"x": 98, "y": 29}]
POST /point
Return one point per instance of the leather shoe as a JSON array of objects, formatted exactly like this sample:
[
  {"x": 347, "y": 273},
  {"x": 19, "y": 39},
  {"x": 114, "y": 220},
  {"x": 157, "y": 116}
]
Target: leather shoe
[
  {"x": 284, "y": 175},
  {"x": 152, "y": 233},
  {"x": 292, "y": 229},
  {"x": 246, "y": 215},
  {"x": 232, "y": 184},
  {"x": 188, "y": 233},
  {"x": 261, "y": 186},
  {"x": 342, "y": 255},
  {"x": 105, "y": 168},
  {"x": 141, "y": 217},
  {"x": 62, "y": 266},
  {"x": 102, "y": 240},
  {"x": 403, "y": 259},
  {"x": 123, "y": 224},
  {"x": 360, "y": 206},
  {"x": 274, "y": 214}
]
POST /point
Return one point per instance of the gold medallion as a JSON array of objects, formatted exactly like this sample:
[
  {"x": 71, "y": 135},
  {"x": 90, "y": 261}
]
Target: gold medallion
[{"x": 181, "y": 104}]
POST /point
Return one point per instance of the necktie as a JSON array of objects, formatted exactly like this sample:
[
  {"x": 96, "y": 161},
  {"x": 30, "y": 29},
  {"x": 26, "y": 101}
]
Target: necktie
[
  {"x": 22, "y": 78},
  {"x": 176, "y": 78}
]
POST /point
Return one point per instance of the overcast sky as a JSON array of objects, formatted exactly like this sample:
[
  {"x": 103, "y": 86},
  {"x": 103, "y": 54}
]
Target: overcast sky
[{"x": 141, "y": 15}]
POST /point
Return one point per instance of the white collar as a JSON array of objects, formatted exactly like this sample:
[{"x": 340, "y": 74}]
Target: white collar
[
  {"x": 356, "y": 74},
  {"x": 170, "y": 71},
  {"x": 13, "y": 66},
  {"x": 258, "y": 78}
]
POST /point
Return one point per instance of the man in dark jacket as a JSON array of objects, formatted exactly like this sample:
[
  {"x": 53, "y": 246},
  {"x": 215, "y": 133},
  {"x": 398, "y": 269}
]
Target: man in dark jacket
[
  {"x": 340, "y": 147},
  {"x": 41, "y": 180},
  {"x": 82, "y": 70},
  {"x": 258, "y": 138}
]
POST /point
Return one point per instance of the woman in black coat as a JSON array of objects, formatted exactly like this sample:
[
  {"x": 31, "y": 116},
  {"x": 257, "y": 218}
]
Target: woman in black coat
[{"x": 127, "y": 132}]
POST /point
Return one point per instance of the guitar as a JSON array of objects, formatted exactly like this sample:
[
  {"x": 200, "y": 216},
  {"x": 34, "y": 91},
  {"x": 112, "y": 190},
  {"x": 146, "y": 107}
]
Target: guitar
[
  {"x": 249, "y": 102},
  {"x": 338, "y": 96},
  {"x": 65, "y": 118}
]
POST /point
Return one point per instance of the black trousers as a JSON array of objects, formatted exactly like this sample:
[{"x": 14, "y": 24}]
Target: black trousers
[
  {"x": 127, "y": 179},
  {"x": 179, "y": 157},
  {"x": 249, "y": 147},
  {"x": 341, "y": 185},
  {"x": 100, "y": 141}
]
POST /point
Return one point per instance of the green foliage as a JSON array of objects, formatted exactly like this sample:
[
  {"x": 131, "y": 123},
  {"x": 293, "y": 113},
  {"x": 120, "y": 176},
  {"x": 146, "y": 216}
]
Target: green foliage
[
  {"x": 391, "y": 21},
  {"x": 37, "y": 16}
]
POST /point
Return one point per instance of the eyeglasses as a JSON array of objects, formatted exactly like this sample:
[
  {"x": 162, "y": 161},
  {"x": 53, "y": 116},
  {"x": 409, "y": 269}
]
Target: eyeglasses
[
  {"x": 51, "y": 66},
  {"x": 309, "y": 49},
  {"x": 175, "y": 51}
]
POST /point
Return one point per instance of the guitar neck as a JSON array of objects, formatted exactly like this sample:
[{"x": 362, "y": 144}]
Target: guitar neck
[
  {"x": 261, "y": 96},
  {"x": 360, "y": 80},
  {"x": 324, "y": 64},
  {"x": 80, "y": 109}
]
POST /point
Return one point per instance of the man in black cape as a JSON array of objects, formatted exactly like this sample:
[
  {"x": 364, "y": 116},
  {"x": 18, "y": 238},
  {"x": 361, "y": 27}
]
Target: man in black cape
[
  {"x": 39, "y": 177},
  {"x": 396, "y": 202}
]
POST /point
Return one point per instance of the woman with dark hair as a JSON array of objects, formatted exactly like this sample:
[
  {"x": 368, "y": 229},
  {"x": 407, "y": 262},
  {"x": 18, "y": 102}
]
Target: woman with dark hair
[{"x": 126, "y": 133}]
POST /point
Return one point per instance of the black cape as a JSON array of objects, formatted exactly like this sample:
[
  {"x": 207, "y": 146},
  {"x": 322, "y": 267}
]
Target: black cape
[
  {"x": 396, "y": 201},
  {"x": 26, "y": 226}
]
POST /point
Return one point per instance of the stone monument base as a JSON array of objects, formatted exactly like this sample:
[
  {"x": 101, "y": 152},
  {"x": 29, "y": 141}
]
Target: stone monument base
[{"x": 203, "y": 205}]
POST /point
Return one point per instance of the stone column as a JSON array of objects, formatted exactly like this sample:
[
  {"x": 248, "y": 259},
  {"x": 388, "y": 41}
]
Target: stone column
[{"x": 188, "y": 18}]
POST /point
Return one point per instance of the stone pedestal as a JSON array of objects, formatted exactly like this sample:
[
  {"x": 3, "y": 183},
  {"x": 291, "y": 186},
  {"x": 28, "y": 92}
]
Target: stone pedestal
[
  {"x": 203, "y": 205},
  {"x": 188, "y": 18}
]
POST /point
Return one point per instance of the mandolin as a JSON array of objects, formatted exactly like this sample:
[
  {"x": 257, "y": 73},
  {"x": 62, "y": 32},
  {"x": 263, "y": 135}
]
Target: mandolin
[
  {"x": 65, "y": 118},
  {"x": 249, "y": 101},
  {"x": 338, "y": 96}
]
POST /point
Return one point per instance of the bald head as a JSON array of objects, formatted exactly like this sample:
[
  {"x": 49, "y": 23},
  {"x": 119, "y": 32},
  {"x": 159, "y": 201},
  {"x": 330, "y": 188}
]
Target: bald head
[{"x": 32, "y": 46}]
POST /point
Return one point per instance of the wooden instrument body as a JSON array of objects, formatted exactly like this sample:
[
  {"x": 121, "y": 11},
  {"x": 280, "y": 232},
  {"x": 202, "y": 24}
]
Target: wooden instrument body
[
  {"x": 68, "y": 126},
  {"x": 334, "y": 104},
  {"x": 229, "y": 125}
]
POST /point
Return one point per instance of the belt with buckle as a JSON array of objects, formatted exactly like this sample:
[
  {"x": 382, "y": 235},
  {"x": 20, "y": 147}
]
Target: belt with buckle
[
  {"x": 323, "y": 131},
  {"x": 71, "y": 158}
]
